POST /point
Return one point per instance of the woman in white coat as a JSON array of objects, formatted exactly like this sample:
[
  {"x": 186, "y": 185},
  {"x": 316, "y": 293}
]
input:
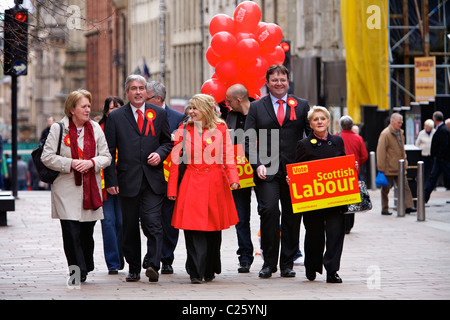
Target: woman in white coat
[{"x": 76, "y": 194}]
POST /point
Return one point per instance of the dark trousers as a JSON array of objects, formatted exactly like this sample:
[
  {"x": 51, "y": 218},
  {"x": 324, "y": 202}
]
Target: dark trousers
[
  {"x": 324, "y": 229},
  {"x": 242, "y": 200},
  {"x": 269, "y": 193},
  {"x": 170, "y": 234},
  {"x": 439, "y": 166},
  {"x": 203, "y": 253},
  {"x": 78, "y": 244},
  {"x": 146, "y": 209}
]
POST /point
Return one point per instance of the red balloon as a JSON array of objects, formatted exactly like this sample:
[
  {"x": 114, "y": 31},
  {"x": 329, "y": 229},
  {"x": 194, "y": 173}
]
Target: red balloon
[
  {"x": 221, "y": 22},
  {"x": 215, "y": 88},
  {"x": 247, "y": 16},
  {"x": 244, "y": 35},
  {"x": 256, "y": 71},
  {"x": 224, "y": 44},
  {"x": 212, "y": 57},
  {"x": 277, "y": 56},
  {"x": 226, "y": 70},
  {"x": 269, "y": 36},
  {"x": 248, "y": 50}
]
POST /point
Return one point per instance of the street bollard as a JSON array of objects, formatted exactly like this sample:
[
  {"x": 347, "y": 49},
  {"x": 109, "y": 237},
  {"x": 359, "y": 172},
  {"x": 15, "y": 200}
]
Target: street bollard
[
  {"x": 373, "y": 171},
  {"x": 401, "y": 188},
  {"x": 420, "y": 192}
]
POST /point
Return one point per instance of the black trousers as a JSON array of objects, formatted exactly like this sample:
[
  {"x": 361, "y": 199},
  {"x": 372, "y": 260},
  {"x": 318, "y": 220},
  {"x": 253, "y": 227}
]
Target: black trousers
[
  {"x": 203, "y": 253},
  {"x": 170, "y": 234},
  {"x": 78, "y": 242},
  {"x": 269, "y": 194},
  {"x": 146, "y": 209},
  {"x": 324, "y": 229}
]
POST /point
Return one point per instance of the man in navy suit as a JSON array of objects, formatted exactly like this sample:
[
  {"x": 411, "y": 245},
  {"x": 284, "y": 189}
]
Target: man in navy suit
[
  {"x": 140, "y": 133},
  {"x": 279, "y": 120},
  {"x": 440, "y": 153},
  {"x": 156, "y": 94}
]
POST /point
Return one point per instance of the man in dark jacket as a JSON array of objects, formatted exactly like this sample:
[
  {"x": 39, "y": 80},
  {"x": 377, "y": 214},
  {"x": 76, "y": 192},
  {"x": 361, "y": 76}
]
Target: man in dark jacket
[{"x": 440, "y": 154}]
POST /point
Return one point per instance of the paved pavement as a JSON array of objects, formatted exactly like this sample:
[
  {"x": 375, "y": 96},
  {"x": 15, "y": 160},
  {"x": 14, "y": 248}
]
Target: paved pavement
[{"x": 385, "y": 257}]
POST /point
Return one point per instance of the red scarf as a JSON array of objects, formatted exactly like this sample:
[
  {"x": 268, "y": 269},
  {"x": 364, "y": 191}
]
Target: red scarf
[{"x": 91, "y": 194}]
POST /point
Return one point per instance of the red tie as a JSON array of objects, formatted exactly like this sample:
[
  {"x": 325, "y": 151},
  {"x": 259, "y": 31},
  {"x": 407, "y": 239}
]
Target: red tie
[
  {"x": 280, "y": 112},
  {"x": 140, "y": 120}
]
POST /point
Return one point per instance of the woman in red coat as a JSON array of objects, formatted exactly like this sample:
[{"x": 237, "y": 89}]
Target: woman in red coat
[{"x": 204, "y": 204}]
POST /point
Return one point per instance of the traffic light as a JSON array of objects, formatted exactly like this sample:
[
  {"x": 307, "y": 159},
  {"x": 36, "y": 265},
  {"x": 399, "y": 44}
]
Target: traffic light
[
  {"x": 286, "y": 46},
  {"x": 15, "y": 42}
]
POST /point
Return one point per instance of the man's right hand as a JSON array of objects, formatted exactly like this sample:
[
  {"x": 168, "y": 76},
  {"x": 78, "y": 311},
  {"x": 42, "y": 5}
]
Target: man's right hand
[
  {"x": 261, "y": 171},
  {"x": 113, "y": 190}
]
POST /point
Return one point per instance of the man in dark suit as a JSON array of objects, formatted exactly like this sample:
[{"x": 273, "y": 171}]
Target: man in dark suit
[
  {"x": 440, "y": 154},
  {"x": 140, "y": 133},
  {"x": 283, "y": 118},
  {"x": 238, "y": 100},
  {"x": 156, "y": 94}
]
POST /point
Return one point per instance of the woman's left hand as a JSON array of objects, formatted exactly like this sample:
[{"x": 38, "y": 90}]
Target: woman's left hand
[
  {"x": 235, "y": 186},
  {"x": 356, "y": 166}
]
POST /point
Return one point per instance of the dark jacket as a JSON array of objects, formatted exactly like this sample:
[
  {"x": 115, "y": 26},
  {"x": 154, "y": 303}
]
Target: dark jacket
[
  {"x": 262, "y": 119},
  {"x": 440, "y": 145},
  {"x": 133, "y": 149}
]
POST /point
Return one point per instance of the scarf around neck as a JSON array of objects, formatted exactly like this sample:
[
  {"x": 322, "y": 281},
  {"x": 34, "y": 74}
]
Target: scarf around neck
[{"x": 91, "y": 194}]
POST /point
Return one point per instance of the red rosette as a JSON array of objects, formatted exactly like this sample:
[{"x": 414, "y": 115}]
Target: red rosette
[
  {"x": 150, "y": 115},
  {"x": 292, "y": 103}
]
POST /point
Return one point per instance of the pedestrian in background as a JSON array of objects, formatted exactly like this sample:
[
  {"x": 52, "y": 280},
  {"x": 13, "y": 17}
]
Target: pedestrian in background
[
  {"x": 204, "y": 205},
  {"x": 354, "y": 144},
  {"x": 76, "y": 192},
  {"x": 112, "y": 222},
  {"x": 440, "y": 153},
  {"x": 391, "y": 149},
  {"x": 325, "y": 228},
  {"x": 424, "y": 143}
]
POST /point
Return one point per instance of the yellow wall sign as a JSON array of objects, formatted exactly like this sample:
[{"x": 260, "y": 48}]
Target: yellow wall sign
[
  {"x": 323, "y": 183},
  {"x": 425, "y": 78}
]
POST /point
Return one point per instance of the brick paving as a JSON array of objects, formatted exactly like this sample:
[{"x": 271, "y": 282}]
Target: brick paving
[{"x": 385, "y": 257}]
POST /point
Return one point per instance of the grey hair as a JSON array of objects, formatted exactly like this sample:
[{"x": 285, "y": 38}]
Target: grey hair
[
  {"x": 132, "y": 78},
  {"x": 346, "y": 123},
  {"x": 158, "y": 89}
]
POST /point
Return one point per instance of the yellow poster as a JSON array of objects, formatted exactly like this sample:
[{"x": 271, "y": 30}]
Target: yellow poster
[{"x": 425, "y": 78}]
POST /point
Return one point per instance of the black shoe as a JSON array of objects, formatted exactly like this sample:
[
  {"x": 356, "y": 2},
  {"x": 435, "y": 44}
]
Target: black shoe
[
  {"x": 152, "y": 274},
  {"x": 244, "y": 267},
  {"x": 386, "y": 213},
  {"x": 266, "y": 272},
  {"x": 288, "y": 273},
  {"x": 409, "y": 210},
  {"x": 133, "y": 277},
  {"x": 166, "y": 269},
  {"x": 113, "y": 271},
  {"x": 196, "y": 280},
  {"x": 310, "y": 275},
  {"x": 209, "y": 278},
  {"x": 333, "y": 278}
]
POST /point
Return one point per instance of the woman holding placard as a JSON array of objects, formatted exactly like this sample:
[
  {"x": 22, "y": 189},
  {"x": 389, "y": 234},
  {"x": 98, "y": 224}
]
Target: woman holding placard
[{"x": 324, "y": 227}]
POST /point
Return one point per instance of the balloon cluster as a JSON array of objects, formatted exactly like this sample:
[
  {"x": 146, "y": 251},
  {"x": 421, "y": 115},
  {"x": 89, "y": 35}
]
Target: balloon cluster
[{"x": 242, "y": 49}]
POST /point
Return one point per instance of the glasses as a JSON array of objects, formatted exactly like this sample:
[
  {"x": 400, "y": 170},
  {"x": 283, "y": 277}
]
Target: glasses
[{"x": 148, "y": 99}]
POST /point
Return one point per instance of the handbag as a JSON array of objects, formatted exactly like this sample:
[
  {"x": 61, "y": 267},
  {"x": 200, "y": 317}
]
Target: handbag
[
  {"x": 381, "y": 180},
  {"x": 365, "y": 204},
  {"x": 45, "y": 174}
]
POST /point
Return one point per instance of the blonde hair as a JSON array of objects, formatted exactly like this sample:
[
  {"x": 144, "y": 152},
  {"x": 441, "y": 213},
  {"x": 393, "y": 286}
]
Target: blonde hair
[
  {"x": 316, "y": 109},
  {"x": 72, "y": 99},
  {"x": 429, "y": 123},
  {"x": 207, "y": 106}
]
